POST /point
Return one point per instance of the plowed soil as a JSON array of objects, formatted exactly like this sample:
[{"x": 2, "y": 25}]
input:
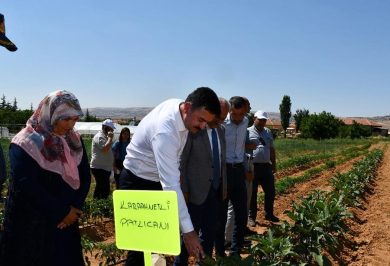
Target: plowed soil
[{"x": 369, "y": 240}]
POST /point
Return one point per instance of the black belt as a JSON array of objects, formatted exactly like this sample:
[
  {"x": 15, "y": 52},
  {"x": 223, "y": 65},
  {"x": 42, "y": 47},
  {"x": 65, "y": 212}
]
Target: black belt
[
  {"x": 261, "y": 164},
  {"x": 234, "y": 165}
]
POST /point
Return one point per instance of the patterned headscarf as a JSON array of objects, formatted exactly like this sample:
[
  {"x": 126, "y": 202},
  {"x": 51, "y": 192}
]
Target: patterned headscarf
[{"x": 59, "y": 154}]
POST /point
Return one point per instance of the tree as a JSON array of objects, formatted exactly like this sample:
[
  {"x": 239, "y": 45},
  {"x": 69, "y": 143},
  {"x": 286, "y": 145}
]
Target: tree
[
  {"x": 3, "y": 103},
  {"x": 87, "y": 116},
  {"x": 285, "y": 112},
  {"x": 300, "y": 114},
  {"x": 359, "y": 131},
  {"x": 321, "y": 126},
  {"x": 90, "y": 118},
  {"x": 15, "y": 105}
]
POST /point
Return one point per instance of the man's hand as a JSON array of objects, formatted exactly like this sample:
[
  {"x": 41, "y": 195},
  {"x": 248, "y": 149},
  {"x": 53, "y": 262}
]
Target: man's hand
[
  {"x": 69, "y": 219},
  {"x": 251, "y": 146},
  {"x": 249, "y": 176},
  {"x": 192, "y": 243},
  {"x": 186, "y": 196}
]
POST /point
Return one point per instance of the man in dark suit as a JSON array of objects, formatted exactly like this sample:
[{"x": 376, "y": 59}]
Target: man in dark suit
[{"x": 203, "y": 181}]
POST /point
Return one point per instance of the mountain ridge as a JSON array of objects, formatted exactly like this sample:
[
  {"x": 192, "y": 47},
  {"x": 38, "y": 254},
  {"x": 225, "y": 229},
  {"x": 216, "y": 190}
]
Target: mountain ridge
[{"x": 140, "y": 112}]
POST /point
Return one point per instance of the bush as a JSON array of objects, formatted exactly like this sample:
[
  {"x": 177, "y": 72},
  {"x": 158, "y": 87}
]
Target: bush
[{"x": 320, "y": 126}]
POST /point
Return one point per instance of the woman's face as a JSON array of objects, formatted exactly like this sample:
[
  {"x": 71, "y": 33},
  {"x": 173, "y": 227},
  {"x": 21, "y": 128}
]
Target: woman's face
[
  {"x": 125, "y": 135},
  {"x": 63, "y": 126}
]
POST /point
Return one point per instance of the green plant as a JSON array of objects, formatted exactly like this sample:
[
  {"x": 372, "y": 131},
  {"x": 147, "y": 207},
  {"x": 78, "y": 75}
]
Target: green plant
[
  {"x": 272, "y": 250},
  {"x": 88, "y": 247},
  {"x": 96, "y": 210},
  {"x": 352, "y": 185},
  {"x": 109, "y": 254},
  {"x": 330, "y": 164},
  {"x": 318, "y": 221}
]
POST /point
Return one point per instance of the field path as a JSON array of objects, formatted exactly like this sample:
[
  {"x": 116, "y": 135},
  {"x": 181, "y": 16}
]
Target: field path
[{"x": 373, "y": 235}]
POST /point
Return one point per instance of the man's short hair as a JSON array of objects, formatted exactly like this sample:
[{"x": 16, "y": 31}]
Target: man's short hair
[
  {"x": 238, "y": 102},
  {"x": 205, "y": 97}
]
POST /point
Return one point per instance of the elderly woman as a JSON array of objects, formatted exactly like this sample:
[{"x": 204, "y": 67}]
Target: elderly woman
[{"x": 49, "y": 182}]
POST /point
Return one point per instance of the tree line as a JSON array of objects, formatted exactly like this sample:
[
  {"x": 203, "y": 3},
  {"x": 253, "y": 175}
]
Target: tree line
[
  {"x": 319, "y": 126},
  {"x": 10, "y": 113}
]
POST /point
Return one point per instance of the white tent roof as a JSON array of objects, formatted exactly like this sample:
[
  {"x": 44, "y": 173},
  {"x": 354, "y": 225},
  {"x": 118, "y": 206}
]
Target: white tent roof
[
  {"x": 4, "y": 132},
  {"x": 91, "y": 128}
]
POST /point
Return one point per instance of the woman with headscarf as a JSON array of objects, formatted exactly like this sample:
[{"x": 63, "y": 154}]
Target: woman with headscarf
[{"x": 50, "y": 179}]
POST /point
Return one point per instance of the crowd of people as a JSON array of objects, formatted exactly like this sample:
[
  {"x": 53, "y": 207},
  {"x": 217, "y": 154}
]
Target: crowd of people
[{"x": 200, "y": 147}]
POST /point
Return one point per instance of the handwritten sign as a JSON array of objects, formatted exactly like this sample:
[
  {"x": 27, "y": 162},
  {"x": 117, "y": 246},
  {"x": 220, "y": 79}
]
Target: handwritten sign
[{"x": 147, "y": 221}]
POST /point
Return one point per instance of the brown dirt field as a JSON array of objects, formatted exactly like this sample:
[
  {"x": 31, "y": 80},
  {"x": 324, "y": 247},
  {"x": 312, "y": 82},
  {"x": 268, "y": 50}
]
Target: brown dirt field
[
  {"x": 369, "y": 240},
  {"x": 373, "y": 235}
]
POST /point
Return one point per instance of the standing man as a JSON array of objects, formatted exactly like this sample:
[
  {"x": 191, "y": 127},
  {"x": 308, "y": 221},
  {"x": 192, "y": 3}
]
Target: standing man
[
  {"x": 102, "y": 159},
  {"x": 264, "y": 162},
  {"x": 203, "y": 172},
  {"x": 153, "y": 155},
  {"x": 235, "y": 133}
]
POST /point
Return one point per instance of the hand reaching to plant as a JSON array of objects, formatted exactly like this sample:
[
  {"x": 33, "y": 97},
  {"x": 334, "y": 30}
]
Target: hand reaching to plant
[
  {"x": 192, "y": 243},
  {"x": 69, "y": 219}
]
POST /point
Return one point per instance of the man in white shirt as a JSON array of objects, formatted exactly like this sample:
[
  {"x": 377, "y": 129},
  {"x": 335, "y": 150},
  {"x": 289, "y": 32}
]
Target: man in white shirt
[{"x": 153, "y": 155}]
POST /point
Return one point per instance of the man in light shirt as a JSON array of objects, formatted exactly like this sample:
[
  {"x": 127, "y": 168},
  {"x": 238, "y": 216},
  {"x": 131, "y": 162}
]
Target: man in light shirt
[
  {"x": 235, "y": 125},
  {"x": 264, "y": 161},
  {"x": 153, "y": 155}
]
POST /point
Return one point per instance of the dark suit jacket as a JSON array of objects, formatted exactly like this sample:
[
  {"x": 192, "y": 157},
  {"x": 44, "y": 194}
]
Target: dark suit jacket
[{"x": 196, "y": 166}]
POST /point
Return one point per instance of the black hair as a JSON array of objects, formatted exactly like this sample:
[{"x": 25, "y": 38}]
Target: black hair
[
  {"x": 122, "y": 132},
  {"x": 205, "y": 97},
  {"x": 237, "y": 102}
]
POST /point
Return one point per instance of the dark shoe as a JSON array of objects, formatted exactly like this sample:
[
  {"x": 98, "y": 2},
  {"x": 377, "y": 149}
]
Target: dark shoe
[
  {"x": 235, "y": 255},
  {"x": 246, "y": 246},
  {"x": 251, "y": 222},
  {"x": 227, "y": 245},
  {"x": 272, "y": 218},
  {"x": 249, "y": 232}
]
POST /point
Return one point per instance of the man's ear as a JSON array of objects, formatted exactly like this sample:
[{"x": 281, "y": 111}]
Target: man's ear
[{"x": 187, "y": 107}]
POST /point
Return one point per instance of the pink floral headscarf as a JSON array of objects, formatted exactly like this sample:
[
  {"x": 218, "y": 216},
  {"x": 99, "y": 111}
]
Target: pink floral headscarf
[{"x": 59, "y": 154}]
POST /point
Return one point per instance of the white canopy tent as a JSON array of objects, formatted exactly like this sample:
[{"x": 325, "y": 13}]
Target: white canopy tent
[
  {"x": 91, "y": 128},
  {"x": 4, "y": 132}
]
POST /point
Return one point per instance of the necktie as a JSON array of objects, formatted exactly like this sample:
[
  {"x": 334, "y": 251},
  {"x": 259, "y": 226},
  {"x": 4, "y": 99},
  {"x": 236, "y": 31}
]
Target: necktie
[{"x": 216, "y": 163}]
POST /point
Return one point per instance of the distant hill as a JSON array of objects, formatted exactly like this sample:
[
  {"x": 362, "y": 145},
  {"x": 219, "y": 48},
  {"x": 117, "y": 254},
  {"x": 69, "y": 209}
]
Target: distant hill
[
  {"x": 119, "y": 113},
  {"x": 140, "y": 112}
]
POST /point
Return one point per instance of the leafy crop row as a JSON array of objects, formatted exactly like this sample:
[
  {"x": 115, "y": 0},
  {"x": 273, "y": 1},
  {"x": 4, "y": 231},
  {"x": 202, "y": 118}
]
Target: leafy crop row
[{"x": 318, "y": 221}]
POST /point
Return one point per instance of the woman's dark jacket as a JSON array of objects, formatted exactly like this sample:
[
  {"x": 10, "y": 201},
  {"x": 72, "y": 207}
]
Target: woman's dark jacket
[{"x": 38, "y": 200}]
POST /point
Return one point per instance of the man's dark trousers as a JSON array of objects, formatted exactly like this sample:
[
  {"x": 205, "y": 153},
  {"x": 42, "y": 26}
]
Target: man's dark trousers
[
  {"x": 236, "y": 192},
  {"x": 204, "y": 219},
  {"x": 263, "y": 175}
]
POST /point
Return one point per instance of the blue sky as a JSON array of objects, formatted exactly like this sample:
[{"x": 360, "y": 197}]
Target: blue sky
[{"x": 328, "y": 55}]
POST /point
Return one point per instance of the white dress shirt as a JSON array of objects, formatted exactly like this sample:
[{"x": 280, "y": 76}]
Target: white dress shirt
[{"x": 155, "y": 149}]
